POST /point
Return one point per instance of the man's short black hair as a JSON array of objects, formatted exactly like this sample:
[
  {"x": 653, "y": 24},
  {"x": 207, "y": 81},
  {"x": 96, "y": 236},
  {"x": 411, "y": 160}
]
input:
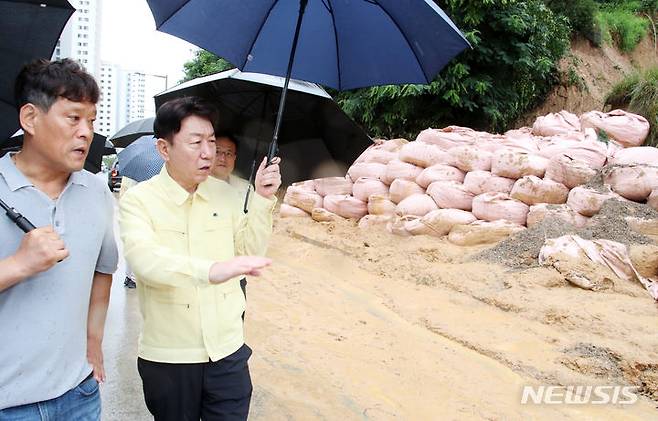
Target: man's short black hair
[
  {"x": 42, "y": 82},
  {"x": 170, "y": 115},
  {"x": 228, "y": 135}
]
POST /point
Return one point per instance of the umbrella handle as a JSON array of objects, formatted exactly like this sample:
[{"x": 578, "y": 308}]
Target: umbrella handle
[
  {"x": 271, "y": 152},
  {"x": 22, "y": 222}
]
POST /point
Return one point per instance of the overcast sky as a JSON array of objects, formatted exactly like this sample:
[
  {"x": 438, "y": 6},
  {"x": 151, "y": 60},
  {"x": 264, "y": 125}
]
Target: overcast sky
[{"x": 130, "y": 40}]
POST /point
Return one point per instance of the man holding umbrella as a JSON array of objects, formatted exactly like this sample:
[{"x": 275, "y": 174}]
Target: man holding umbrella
[
  {"x": 189, "y": 243},
  {"x": 54, "y": 280}
]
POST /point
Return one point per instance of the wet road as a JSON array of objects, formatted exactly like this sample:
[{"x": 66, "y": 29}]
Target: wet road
[{"x": 122, "y": 395}]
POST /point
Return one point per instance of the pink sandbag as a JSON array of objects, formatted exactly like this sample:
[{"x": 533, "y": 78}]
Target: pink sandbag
[
  {"x": 563, "y": 212},
  {"x": 377, "y": 154},
  {"x": 652, "y": 200},
  {"x": 380, "y": 205},
  {"x": 423, "y": 154},
  {"x": 416, "y": 204},
  {"x": 397, "y": 226},
  {"x": 401, "y": 189},
  {"x": 645, "y": 155},
  {"x": 345, "y": 206},
  {"x": 634, "y": 182},
  {"x": 626, "y": 128},
  {"x": 514, "y": 164},
  {"x": 397, "y": 169},
  {"x": 522, "y": 144},
  {"x": 441, "y": 221},
  {"x": 469, "y": 158},
  {"x": 448, "y": 137},
  {"x": 520, "y": 133},
  {"x": 450, "y": 195},
  {"x": 367, "y": 169},
  {"x": 333, "y": 185},
  {"x": 392, "y": 145},
  {"x": 532, "y": 190},
  {"x": 323, "y": 215},
  {"x": 417, "y": 227},
  {"x": 308, "y": 185},
  {"x": 302, "y": 199},
  {"x": 287, "y": 211},
  {"x": 482, "y": 232},
  {"x": 439, "y": 172},
  {"x": 568, "y": 171},
  {"x": 588, "y": 201},
  {"x": 497, "y": 206},
  {"x": 478, "y": 182},
  {"x": 556, "y": 123},
  {"x": 594, "y": 153},
  {"x": 364, "y": 187}
]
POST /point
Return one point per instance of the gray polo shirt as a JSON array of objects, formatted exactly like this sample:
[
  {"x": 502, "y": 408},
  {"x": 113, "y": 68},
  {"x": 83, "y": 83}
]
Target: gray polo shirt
[{"x": 43, "y": 319}]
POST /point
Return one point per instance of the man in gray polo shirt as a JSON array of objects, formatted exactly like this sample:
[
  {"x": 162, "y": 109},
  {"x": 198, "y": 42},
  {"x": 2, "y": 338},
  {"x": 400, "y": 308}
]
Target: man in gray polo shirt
[{"x": 54, "y": 280}]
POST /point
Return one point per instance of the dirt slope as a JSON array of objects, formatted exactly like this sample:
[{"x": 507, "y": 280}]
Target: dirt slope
[{"x": 595, "y": 71}]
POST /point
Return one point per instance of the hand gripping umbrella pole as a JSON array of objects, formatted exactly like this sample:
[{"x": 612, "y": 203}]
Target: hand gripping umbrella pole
[
  {"x": 18, "y": 219},
  {"x": 273, "y": 149}
]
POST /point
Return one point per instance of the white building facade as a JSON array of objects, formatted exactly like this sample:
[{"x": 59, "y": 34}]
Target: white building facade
[
  {"x": 80, "y": 39},
  {"x": 107, "y": 115}
]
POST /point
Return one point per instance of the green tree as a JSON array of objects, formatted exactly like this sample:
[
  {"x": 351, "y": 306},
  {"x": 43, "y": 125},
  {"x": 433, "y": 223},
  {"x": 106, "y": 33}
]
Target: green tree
[
  {"x": 512, "y": 66},
  {"x": 204, "y": 63}
]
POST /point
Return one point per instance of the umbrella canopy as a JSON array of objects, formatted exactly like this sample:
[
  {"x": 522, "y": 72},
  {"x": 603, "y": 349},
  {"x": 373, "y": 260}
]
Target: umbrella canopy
[
  {"x": 316, "y": 132},
  {"x": 342, "y": 44},
  {"x": 99, "y": 147},
  {"x": 140, "y": 160},
  {"x": 132, "y": 131},
  {"x": 29, "y": 29}
]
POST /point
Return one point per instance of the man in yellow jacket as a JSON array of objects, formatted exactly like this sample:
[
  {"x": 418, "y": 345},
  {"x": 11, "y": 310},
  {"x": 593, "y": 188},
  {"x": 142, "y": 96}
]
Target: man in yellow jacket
[{"x": 189, "y": 243}]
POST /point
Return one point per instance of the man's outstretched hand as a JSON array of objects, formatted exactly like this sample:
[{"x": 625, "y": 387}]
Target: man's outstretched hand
[{"x": 238, "y": 266}]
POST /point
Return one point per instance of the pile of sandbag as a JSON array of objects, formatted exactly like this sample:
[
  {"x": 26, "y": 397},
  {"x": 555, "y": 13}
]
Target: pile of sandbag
[{"x": 477, "y": 187}]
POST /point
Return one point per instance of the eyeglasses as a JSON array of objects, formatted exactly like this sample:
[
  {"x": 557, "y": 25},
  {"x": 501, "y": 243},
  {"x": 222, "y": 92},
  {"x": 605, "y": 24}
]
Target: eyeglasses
[{"x": 226, "y": 153}]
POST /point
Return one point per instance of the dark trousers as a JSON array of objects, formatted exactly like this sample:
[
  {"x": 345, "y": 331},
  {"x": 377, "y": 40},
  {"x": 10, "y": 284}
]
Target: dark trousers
[{"x": 188, "y": 392}]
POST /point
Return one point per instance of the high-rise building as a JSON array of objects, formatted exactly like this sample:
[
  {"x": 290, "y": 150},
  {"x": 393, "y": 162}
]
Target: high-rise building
[
  {"x": 127, "y": 95},
  {"x": 107, "y": 115},
  {"x": 80, "y": 39},
  {"x": 132, "y": 98}
]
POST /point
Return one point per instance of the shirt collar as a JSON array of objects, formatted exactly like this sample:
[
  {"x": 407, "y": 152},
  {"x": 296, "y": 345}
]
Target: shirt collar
[
  {"x": 15, "y": 179},
  {"x": 177, "y": 193}
]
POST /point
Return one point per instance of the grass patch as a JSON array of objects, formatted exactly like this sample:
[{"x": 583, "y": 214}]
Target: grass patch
[
  {"x": 623, "y": 27},
  {"x": 638, "y": 93}
]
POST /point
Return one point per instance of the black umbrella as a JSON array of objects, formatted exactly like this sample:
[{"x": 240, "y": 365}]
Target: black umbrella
[
  {"x": 99, "y": 147},
  {"x": 132, "y": 131},
  {"x": 29, "y": 30},
  {"x": 317, "y": 139}
]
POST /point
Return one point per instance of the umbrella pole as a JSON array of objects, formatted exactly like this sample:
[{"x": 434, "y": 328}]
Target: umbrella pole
[
  {"x": 252, "y": 175},
  {"x": 271, "y": 153}
]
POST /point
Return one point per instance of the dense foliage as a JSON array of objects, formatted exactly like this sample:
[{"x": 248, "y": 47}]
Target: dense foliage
[
  {"x": 204, "y": 63},
  {"x": 516, "y": 46}
]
